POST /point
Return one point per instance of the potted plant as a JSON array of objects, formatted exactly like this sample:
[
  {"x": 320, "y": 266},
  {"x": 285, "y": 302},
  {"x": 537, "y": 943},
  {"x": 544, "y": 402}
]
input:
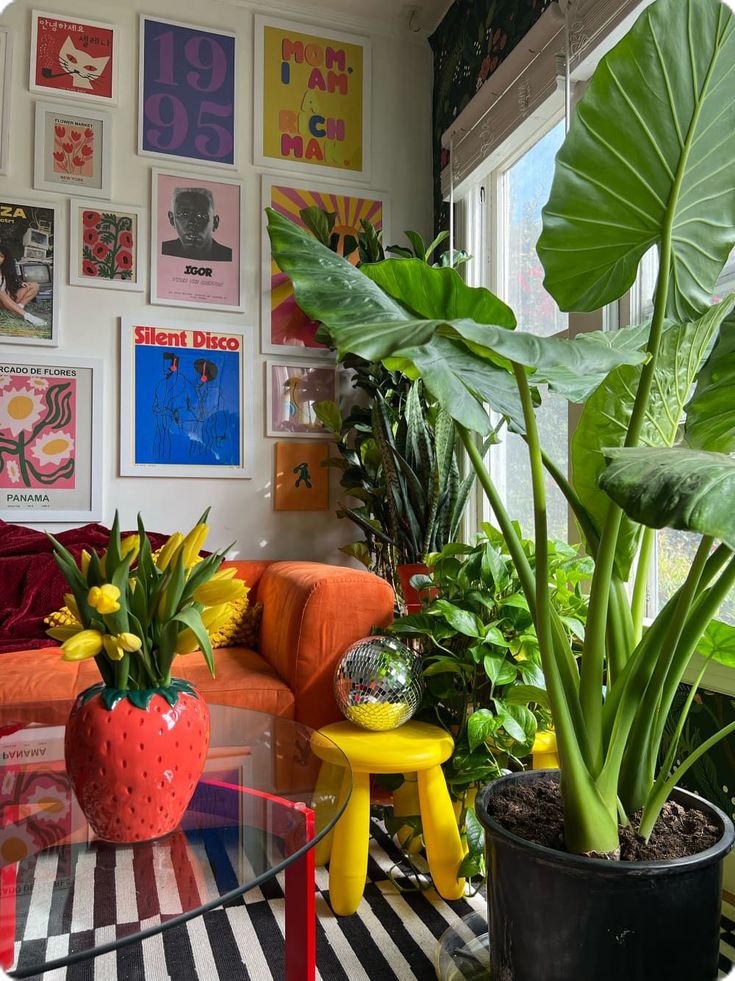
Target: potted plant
[
  {"x": 647, "y": 161},
  {"x": 134, "y": 612}
]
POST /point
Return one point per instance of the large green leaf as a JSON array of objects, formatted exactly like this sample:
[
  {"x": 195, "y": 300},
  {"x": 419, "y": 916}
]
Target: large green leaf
[
  {"x": 710, "y": 421},
  {"x": 649, "y": 156},
  {"x": 674, "y": 488},
  {"x": 718, "y": 643},
  {"x": 605, "y": 418},
  {"x": 434, "y": 293}
]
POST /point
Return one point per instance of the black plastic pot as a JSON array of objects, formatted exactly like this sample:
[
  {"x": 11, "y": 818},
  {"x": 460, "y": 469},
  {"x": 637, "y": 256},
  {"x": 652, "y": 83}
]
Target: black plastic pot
[{"x": 553, "y": 916}]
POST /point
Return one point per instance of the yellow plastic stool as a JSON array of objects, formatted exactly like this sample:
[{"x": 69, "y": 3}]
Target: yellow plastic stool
[{"x": 413, "y": 747}]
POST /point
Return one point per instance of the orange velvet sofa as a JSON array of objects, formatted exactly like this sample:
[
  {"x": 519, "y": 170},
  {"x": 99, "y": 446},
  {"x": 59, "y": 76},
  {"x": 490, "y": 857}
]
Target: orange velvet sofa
[{"x": 312, "y": 612}]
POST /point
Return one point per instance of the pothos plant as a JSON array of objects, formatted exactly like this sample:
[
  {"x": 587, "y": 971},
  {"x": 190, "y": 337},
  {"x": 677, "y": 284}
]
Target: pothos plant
[
  {"x": 483, "y": 681},
  {"x": 647, "y": 163}
]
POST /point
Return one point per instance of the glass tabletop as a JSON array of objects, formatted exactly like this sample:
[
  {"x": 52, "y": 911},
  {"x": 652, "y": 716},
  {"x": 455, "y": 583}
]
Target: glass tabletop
[{"x": 258, "y": 808}]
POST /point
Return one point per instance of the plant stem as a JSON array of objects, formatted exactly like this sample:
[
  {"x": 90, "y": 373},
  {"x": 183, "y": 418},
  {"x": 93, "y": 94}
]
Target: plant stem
[{"x": 638, "y": 601}]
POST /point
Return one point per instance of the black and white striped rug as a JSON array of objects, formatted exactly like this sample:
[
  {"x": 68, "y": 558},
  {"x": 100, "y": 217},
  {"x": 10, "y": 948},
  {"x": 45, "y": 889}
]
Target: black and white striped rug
[{"x": 394, "y": 934}]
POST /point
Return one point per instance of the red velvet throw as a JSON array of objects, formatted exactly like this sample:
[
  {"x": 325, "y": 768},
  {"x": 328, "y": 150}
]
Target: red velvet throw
[{"x": 31, "y": 583}]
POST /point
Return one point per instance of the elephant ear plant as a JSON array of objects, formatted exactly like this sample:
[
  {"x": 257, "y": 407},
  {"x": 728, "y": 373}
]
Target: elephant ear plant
[{"x": 648, "y": 162}]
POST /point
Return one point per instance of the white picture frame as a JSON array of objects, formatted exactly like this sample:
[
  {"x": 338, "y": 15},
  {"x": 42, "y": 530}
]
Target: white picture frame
[
  {"x": 64, "y": 432},
  {"x": 180, "y": 280},
  {"x": 185, "y": 399},
  {"x": 73, "y": 150},
  {"x": 283, "y": 330},
  {"x": 6, "y": 65},
  {"x": 291, "y": 388},
  {"x": 49, "y": 32},
  {"x": 102, "y": 243},
  {"x": 272, "y": 97}
]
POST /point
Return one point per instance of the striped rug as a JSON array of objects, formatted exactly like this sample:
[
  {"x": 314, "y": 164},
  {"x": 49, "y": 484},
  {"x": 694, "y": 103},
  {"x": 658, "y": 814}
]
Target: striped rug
[{"x": 394, "y": 934}]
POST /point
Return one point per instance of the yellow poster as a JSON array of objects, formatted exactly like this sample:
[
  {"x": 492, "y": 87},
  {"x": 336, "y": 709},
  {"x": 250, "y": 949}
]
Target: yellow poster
[{"x": 313, "y": 94}]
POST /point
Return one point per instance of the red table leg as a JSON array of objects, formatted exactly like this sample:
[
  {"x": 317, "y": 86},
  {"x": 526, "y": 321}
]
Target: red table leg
[
  {"x": 8, "y": 875},
  {"x": 301, "y": 910}
]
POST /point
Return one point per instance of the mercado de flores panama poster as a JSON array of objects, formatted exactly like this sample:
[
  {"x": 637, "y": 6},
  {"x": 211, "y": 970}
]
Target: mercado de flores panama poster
[
  {"x": 184, "y": 396},
  {"x": 312, "y": 91}
]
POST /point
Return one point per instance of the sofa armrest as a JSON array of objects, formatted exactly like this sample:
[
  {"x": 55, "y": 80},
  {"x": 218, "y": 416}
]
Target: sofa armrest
[{"x": 312, "y": 612}]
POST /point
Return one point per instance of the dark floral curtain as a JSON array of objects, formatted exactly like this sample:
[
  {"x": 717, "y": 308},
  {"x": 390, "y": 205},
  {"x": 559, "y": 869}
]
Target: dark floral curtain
[{"x": 472, "y": 40}]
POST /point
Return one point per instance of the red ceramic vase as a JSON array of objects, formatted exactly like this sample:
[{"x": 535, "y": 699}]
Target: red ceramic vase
[{"x": 134, "y": 758}]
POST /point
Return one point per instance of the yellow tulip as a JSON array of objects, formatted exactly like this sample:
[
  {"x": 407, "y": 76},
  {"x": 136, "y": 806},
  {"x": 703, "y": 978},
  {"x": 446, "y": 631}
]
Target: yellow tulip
[
  {"x": 104, "y": 599},
  {"x": 212, "y": 618},
  {"x": 71, "y": 605},
  {"x": 112, "y": 648},
  {"x": 193, "y": 543},
  {"x": 130, "y": 544},
  {"x": 169, "y": 550},
  {"x": 117, "y": 645},
  {"x": 84, "y": 562},
  {"x": 129, "y": 642},
  {"x": 84, "y": 644},
  {"x": 218, "y": 591}
]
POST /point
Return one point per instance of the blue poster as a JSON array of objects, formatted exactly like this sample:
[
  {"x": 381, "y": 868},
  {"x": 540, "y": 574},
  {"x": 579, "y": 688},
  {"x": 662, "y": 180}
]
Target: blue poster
[
  {"x": 188, "y": 92},
  {"x": 187, "y": 391}
]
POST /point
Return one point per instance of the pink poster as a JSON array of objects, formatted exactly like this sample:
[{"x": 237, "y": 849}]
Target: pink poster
[{"x": 196, "y": 241}]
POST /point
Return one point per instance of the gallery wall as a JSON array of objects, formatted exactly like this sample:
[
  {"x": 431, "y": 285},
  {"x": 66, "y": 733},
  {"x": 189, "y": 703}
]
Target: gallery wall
[{"x": 398, "y": 131}]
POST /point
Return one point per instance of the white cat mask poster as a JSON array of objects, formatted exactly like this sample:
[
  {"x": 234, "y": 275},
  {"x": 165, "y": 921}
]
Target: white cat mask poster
[{"x": 73, "y": 57}]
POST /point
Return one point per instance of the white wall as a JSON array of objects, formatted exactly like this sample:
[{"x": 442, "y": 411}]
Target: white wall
[{"x": 401, "y": 166}]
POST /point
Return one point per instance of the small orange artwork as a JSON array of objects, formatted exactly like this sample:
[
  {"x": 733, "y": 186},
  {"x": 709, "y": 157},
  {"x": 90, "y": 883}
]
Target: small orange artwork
[{"x": 301, "y": 483}]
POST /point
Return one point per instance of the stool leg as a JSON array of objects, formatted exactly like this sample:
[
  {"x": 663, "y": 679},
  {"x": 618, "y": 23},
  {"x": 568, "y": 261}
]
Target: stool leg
[
  {"x": 441, "y": 834},
  {"x": 348, "y": 865},
  {"x": 332, "y": 785}
]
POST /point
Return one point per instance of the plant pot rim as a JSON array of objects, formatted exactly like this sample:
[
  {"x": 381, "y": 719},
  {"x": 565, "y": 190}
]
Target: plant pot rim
[{"x": 611, "y": 867}]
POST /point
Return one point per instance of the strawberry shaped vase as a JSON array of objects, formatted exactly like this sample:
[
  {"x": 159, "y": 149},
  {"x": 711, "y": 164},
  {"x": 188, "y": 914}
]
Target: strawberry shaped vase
[{"x": 134, "y": 757}]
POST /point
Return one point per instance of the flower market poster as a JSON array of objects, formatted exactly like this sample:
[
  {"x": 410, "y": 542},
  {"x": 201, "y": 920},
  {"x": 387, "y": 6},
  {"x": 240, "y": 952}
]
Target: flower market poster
[
  {"x": 46, "y": 439},
  {"x": 184, "y": 396}
]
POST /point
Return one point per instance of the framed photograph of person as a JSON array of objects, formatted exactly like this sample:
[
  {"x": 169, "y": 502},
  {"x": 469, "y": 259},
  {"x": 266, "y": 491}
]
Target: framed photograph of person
[
  {"x": 51, "y": 419},
  {"x": 28, "y": 273},
  {"x": 292, "y": 389},
  {"x": 285, "y": 329},
  {"x": 6, "y": 63},
  {"x": 187, "y": 94},
  {"x": 73, "y": 152},
  {"x": 196, "y": 241},
  {"x": 185, "y": 399},
  {"x": 107, "y": 246},
  {"x": 73, "y": 57},
  {"x": 312, "y": 99}
]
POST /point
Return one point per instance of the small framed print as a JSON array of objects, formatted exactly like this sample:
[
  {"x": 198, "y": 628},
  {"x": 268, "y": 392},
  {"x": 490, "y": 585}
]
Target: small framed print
[
  {"x": 28, "y": 271},
  {"x": 292, "y": 389},
  {"x": 73, "y": 152},
  {"x": 187, "y": 92},
  {"x": 301, "y": 482},
  {"x": 312, "y": 99},
  {"x": 196, "y": 241},
  {"x": 285, "y": 329},
  {"x": 107, "y": 246},
  {"x": 50, "y": 432},
  {"x": 185, "y": 400},
  {"x": 73, "y": 57},
  {"x": 6, "y": 61}
]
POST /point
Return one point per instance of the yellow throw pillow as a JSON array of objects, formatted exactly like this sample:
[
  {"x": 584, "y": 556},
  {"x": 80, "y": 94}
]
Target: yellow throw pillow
[{"x": 242, "y": 629}]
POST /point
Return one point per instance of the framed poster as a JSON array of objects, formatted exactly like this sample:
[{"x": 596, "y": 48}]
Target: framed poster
[
  {"x": 28, "y": 296},
  {"x": 284, "y": 328},
  {"x": 312, "y": 99},
  {"x": 6, "y": 63},
  {"x": 301, "y": 482},
  {"x": 196, "y": 241},
  {"x": 185, "y": 394},
  {"x": 292, "y": 388},
  {"x": 73, "y": 152},
  {"x": 50, "y": 434},
  {"x": 73, "y": 57},
  {"x": 107, "y": 246},
  {"x": 186, "y": 103}
]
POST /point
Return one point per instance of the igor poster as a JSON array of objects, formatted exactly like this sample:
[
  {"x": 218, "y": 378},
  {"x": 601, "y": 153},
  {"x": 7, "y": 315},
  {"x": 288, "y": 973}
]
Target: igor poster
[
  {"x": 312, "y": 89},
  {"x": 183, "y": 389}
]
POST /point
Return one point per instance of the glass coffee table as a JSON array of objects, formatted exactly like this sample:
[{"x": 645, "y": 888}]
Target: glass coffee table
[{"x": 66, "y": 896}]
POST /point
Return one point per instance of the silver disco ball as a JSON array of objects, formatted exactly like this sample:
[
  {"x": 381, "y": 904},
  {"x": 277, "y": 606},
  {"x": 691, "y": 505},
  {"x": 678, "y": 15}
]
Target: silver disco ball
[{"x": 378, "y": 683}]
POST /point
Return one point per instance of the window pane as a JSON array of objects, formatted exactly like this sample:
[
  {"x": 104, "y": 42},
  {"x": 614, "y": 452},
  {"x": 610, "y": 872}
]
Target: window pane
[{"x": 528, "y": 183}]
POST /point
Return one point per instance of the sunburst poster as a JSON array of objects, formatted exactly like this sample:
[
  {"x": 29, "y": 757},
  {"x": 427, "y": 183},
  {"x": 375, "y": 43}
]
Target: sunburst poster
[{"x": 285, "y": 328}]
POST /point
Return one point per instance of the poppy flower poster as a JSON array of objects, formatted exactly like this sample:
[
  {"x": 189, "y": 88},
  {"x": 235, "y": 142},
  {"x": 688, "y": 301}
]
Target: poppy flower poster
[
  {"x": 107, "y": 246},
  {"x": 49, "y": 446}
]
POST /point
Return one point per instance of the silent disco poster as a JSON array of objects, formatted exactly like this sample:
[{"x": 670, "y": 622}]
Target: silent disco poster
[{"x": 311, "y": 98}]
